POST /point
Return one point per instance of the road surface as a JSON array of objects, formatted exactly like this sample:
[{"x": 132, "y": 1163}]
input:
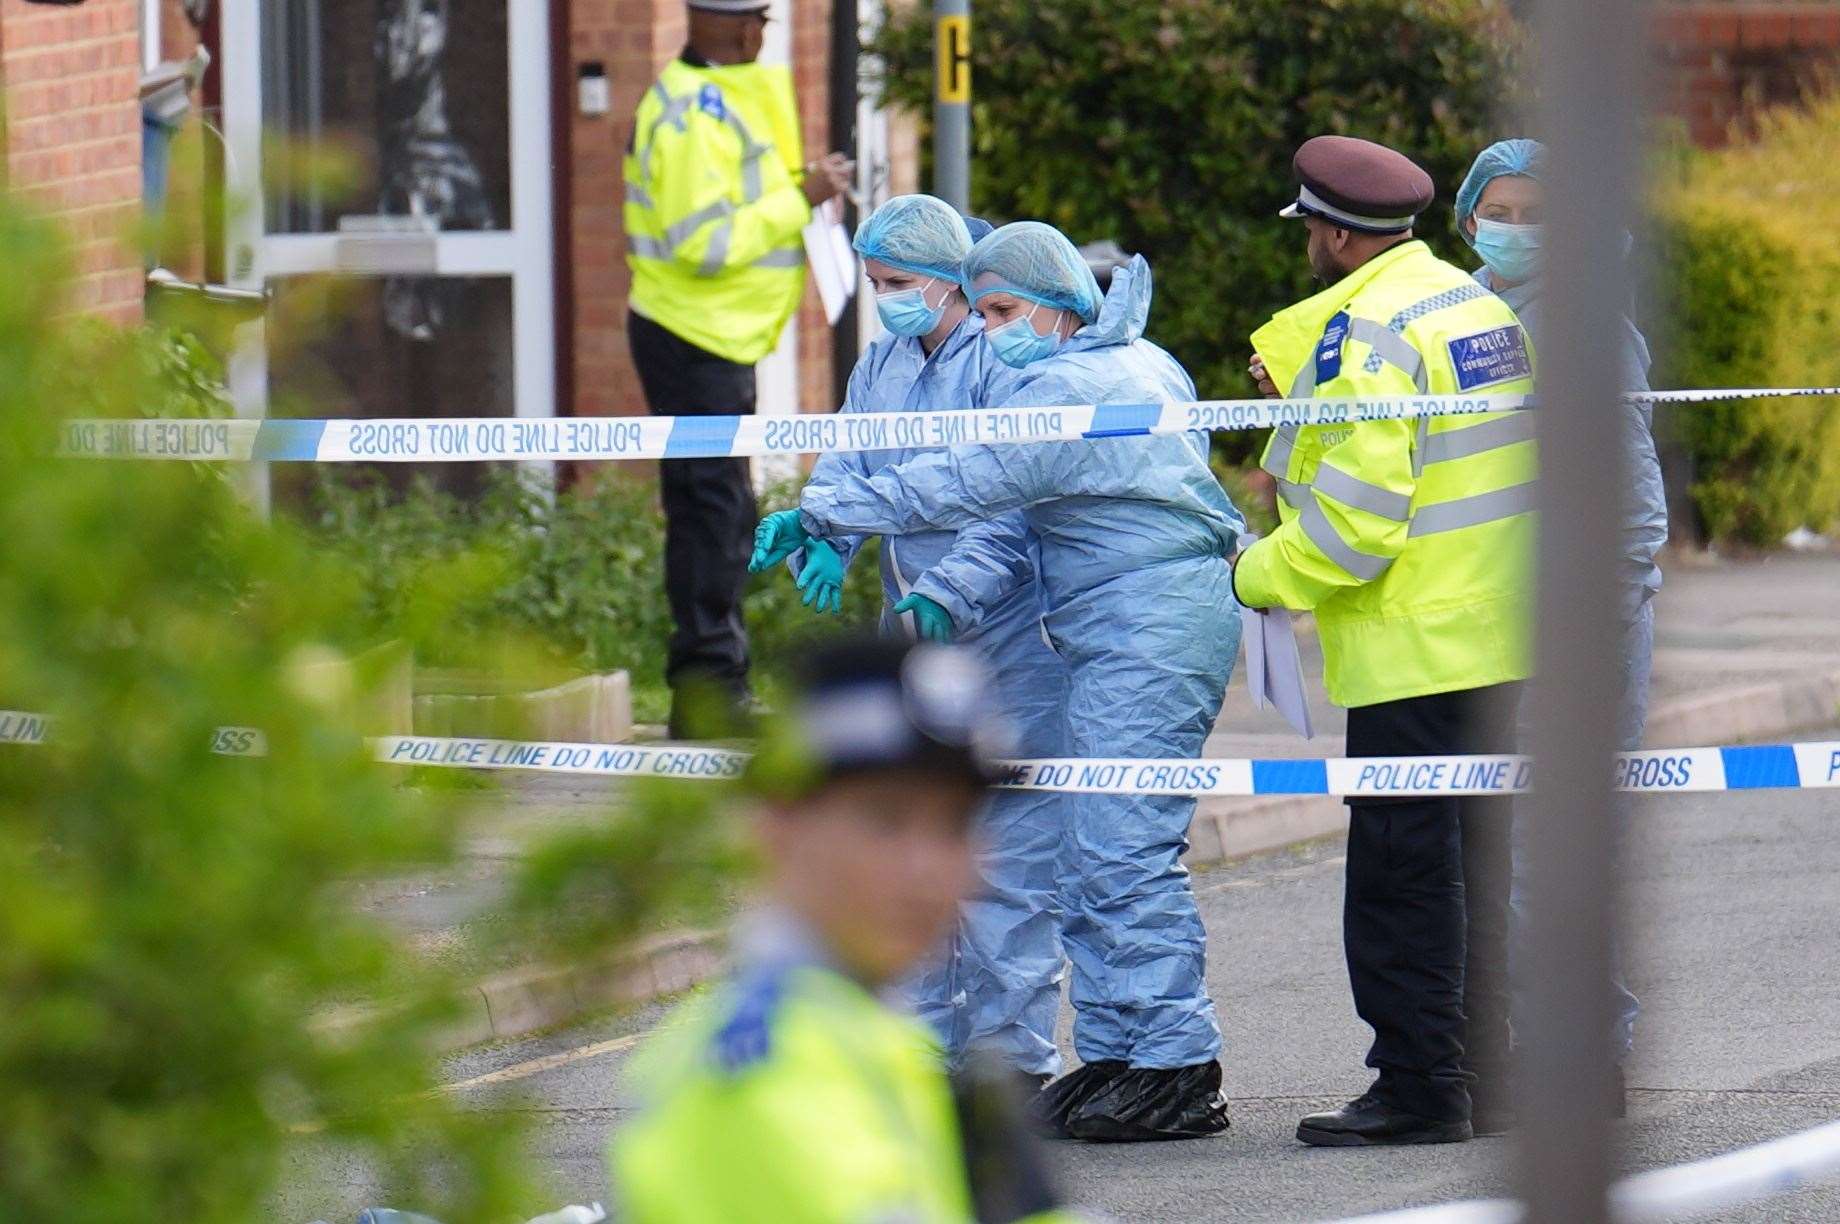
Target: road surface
[{"x": 1734, "y": 936}]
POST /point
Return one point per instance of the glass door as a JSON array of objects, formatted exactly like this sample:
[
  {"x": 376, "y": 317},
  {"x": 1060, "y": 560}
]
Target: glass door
[{"x": 432, "y": 233}]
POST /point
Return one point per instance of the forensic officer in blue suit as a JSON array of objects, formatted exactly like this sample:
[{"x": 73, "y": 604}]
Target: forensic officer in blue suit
[
  {"x": 998, "y": 987},
  {"x": 1133, "y": 536}
]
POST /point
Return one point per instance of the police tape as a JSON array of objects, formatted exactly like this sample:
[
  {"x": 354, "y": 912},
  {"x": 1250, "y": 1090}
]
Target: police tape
[
  {"x": 485, "y": 439},
  {"x": 1805, "y": 766},
  {"x": 1678, "y": 1192},
  {"x": 1653, "y": 771}
]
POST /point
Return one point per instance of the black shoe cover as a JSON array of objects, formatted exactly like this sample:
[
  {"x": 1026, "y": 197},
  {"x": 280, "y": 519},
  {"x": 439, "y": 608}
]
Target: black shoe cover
[
  {"x": 1144, "y": 1104},
  {"x": 1058, "y": 1101}
]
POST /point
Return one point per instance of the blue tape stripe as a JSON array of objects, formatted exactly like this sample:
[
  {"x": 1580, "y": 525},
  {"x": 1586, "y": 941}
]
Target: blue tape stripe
[
  {"x": 1118, "y": 420},
  {"x": 710, "y": 437},
  {"x": 1770, "y": 765},
  {"x": 1300, "y": 777},
  {"x": 288, "y": 440}
]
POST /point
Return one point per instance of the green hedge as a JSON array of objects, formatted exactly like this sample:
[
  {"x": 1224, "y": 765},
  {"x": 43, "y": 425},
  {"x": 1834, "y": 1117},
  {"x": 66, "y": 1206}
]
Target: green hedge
[
  {"x": 582, "y": 574},
  {"x": 1749, "y": 242},
  {"x": 1170, "y": 127}
]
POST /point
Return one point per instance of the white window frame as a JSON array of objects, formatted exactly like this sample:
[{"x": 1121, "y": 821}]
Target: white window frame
[{"x": 525, "y": 252}]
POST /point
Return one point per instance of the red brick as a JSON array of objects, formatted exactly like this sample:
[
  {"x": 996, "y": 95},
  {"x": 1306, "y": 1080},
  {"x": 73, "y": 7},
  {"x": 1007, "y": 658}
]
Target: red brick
[
  {"x": 1764, "y": 29},
  {"x": 1716, "y": 26},
  {"x": 1817, "y": 27}
]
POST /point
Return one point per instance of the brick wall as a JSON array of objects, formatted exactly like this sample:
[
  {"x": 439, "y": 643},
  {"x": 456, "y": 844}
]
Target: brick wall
[
  {"x": 73, "y": 136},
  {"x": 634, "y": 39},
  {"x": 1720, "y": 62}
]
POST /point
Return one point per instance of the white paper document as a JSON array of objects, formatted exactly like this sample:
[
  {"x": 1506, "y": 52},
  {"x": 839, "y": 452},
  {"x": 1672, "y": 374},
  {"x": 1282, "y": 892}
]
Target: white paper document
[
  {"x": 1274, "y": 668},
  {"x": 833, "y": 262}
]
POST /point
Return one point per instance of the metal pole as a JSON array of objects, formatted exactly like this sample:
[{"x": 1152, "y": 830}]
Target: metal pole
[
  {"x": 952, "y": 102},
  {"x": 1591, "y": 62}
]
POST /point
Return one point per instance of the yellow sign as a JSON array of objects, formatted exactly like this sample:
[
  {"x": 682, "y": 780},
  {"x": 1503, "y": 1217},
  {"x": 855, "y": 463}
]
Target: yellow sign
[{"x": 953, "y": 40}]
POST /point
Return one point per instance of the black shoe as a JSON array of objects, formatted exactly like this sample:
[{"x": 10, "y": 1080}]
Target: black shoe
[
  {"x": 1056, "y": 1102},
  {"x": 1365, "y": 1122},
  {"x": 1147, "y": 1104}
]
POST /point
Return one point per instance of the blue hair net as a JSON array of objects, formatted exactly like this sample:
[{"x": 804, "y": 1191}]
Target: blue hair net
[
  {"x": 1526, "y": 157},
  {"x": 921, "y": 234},
  {"x": 1037, "y": 263}
]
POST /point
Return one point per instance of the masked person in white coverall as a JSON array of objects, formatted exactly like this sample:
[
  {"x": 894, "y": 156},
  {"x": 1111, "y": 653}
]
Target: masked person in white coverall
[
  {"x": 1133, "y": 533},
  {"x": 998, "y": 986}
]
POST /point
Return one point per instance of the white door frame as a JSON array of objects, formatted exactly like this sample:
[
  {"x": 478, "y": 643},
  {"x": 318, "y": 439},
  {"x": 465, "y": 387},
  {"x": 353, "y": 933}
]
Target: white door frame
[{"x": 525, "y": 252}]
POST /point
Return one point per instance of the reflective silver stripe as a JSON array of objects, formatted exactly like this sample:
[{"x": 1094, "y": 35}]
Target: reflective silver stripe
[
  {"x": 675, "y": 235},
  {"x": 1278, "y": 455},
  {"x": 675, "y": 108},
  {"x": 750, "y": 158},
  {"x": 788, "y": 258},
  {"x": 1420, "y": 441},
  {"x": 648, "y": 248},
  {"x": 1474, "y": 511},
  {"x": 1469, "y": 291},
  {"x": 1391, "y": 347},
  {"x": 1297, "y": 495},
  {"x": 1331, "y": 481},
  {"x": 1305, "y": 383},
  {"x": 716, "y": 257},
  {"x": 1317, "y": 527},
  {"x": 635, "y": 194},
  {"x": 1514, "y": 428}
]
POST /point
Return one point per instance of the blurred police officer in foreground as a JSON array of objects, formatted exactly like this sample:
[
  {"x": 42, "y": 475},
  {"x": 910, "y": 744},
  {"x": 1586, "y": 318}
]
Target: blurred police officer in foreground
[
  {"x": 1411, "y": 541},
  {"x": 716, "y": 200},
  {"x": 793, "y": 1092}
]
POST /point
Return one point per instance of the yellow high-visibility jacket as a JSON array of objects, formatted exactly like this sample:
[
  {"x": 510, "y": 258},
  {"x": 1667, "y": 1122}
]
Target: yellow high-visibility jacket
[
  {"x": 794, "y": 1096},
  {"x": 714, "y": 212},
  {"x": 1410, "y": 540}
]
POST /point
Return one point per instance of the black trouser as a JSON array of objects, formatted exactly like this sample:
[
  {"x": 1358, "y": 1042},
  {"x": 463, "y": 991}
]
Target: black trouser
[
  {"x": 1425, "y": 919},
  {"x": 709, "y": 508}
]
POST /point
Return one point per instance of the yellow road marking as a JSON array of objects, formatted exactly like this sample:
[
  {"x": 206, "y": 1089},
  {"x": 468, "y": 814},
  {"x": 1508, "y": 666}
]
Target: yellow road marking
[{"x": 549, "y": 1062}]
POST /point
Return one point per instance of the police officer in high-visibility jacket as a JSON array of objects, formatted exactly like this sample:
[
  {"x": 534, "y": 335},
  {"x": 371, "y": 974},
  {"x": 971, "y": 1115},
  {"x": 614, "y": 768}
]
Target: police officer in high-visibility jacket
[
  {"x": 716, "y": 200},
  {"x": 1411, "y": 542},
  {"x": 792, "y": 1091}
]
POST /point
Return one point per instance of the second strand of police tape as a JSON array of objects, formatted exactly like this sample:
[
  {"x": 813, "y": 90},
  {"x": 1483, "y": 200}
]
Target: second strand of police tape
[
  {"x": 486, "y": 439},
  {"x": 1654, "y": 771}
]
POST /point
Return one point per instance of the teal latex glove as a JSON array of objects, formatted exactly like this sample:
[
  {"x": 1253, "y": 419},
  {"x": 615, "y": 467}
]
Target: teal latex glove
[
  {"x": 822, "y": 577},
  {"x": 779, "y": 535},
  {"x": 934, "y": 622}
]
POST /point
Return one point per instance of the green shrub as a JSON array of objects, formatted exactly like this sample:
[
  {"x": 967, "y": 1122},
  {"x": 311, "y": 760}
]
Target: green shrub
[
  {"x": 582, "y": 573},
  {"x": 1749, "y": 244},
  {"x": 175, "y": 924},
  {"x": 1170, "y": 127}
]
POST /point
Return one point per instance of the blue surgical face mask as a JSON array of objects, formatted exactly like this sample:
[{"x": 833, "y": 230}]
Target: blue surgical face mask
[
  {"x": 905, "y": 312},
  {"x": 1018, "y": 343},
  {"x": 1511, "y": 251}
]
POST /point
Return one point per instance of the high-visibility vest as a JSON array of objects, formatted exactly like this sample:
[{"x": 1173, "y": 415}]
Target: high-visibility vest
[
  {"x": 1411, "y": 541},
  {"x": 793, "y": 1095},
  {"x": 714, "y": 213}
]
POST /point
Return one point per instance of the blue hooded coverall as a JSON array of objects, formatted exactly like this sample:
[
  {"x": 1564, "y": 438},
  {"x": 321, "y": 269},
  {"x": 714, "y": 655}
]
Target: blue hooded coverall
[
  {"x": 1643, "y": 519},
  {"x": 999, "y": 985},
  {"x": 1133, "y": 532}
]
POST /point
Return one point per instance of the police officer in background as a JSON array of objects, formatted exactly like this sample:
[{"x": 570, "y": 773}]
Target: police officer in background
[
  {"x": 716, "y": 200},
  {"x": 792, "y": 1091},
  {"x": 1412, "y": 542}
]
